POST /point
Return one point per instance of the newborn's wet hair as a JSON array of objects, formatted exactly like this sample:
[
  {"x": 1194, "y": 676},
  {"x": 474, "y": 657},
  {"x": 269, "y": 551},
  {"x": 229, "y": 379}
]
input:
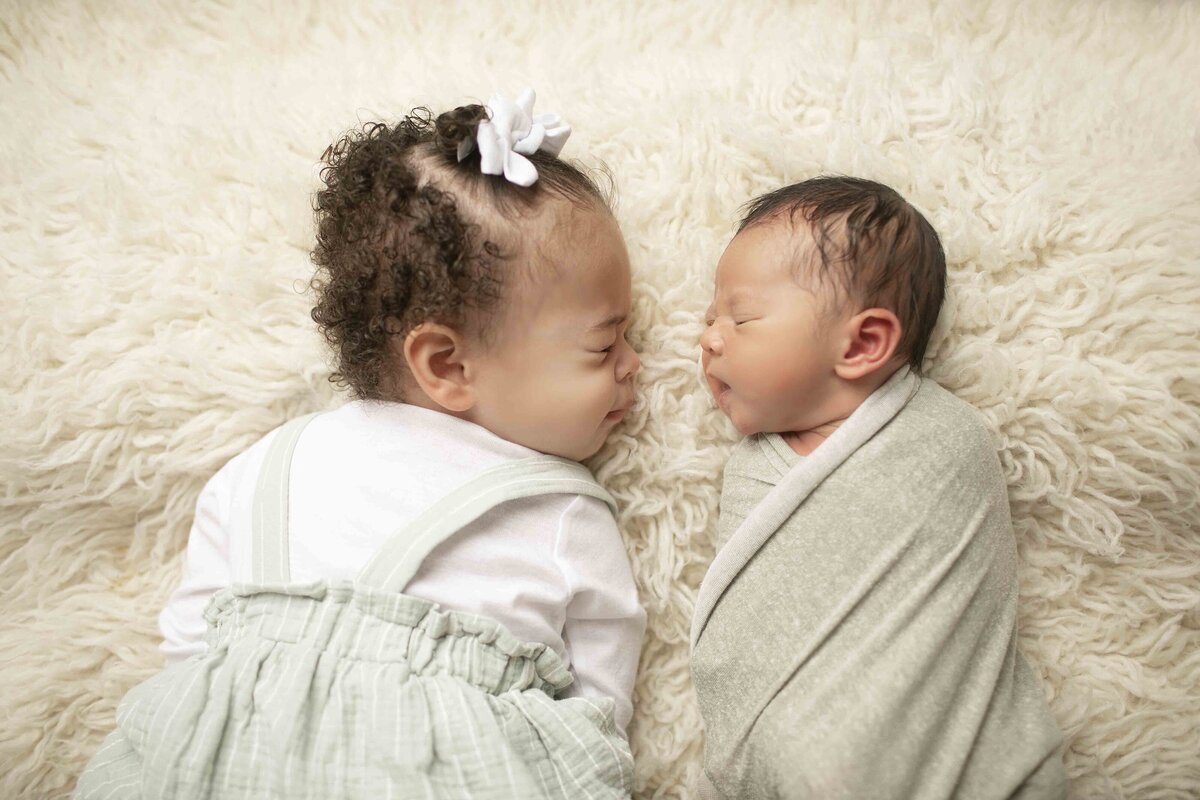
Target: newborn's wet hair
[
  {"x": 406, "y": 234},
  {"x": 877, "y": 250}
]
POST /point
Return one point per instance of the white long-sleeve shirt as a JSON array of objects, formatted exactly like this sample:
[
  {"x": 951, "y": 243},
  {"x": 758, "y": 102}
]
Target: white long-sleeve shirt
[{"x": 551, "y": 568}]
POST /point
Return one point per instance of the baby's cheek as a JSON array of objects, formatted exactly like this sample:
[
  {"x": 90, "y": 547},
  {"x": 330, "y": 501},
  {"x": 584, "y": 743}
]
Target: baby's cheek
[
  {"x": 756, "y": 367},
  {"x": 784, "y": 370},
  {"x": 776, "y": 383}
]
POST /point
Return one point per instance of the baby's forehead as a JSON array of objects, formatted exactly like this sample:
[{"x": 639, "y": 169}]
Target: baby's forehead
[
  {"x": 769, "y": 252},
  {"x": 765, "y": 263},
  {"x": 789, "y": 236}
]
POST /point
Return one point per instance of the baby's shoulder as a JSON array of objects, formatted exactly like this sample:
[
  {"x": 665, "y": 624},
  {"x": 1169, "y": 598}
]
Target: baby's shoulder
[
  {"x": 743, "y": 454},
  {"x": 748, "y": 459},
  {"x": 748, "y": 476},
  {"x": 937, "y": 438},
  {"x": 947, "y": 423},
  {"x": 244, "y": 464}
]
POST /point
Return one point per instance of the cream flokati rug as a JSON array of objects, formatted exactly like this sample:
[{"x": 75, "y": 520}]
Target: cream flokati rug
[{"x": 158, "y": 160}]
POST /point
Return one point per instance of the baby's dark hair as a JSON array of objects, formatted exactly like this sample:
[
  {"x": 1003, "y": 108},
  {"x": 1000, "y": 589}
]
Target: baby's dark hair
[
  {"x": 877, "y": 249},
  {"x": 406, "y": 233}
]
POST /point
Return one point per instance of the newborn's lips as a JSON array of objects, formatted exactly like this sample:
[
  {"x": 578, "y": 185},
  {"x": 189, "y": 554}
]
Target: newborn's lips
[
  {"x": 719, "y": 389},
  {"x": 617, "y": 413},
  {"x": 723, "y": 396}
]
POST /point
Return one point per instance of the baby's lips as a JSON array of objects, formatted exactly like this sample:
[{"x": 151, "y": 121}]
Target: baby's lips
[
  {"x": 716, "y": 387},
  {"x": 712, "y": 379},
  {"x": 703, "y": 378}
]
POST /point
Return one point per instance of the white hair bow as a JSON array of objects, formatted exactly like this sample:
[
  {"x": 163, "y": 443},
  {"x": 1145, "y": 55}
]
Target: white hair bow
[{"x": 511, "y": 133}]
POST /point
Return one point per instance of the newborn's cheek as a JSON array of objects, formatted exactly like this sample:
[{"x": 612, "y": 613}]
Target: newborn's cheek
[{"x": 778, "y": 382}]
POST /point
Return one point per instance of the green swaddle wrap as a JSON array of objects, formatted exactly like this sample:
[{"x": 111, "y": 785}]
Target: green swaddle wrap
[{"x": 856, "y": 635}]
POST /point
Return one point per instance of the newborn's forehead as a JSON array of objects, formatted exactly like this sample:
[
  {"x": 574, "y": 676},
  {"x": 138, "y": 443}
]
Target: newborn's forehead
[
  {"x": 752, "y": 259},
  {"x": 764, "y": 256}
]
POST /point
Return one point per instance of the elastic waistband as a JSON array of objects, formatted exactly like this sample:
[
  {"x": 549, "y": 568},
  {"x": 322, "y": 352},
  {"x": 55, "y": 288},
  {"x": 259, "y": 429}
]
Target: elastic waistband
[{"x": 362, "y": 624}]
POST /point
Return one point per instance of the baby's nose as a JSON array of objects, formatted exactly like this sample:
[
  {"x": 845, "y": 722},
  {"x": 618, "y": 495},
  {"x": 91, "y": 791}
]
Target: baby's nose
[
  {"x": 630, "y": 366},
  {"x": 711, "y": 342}
]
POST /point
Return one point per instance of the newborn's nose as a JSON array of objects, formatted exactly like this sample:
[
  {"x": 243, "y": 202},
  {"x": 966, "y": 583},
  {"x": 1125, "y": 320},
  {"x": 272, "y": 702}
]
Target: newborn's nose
[{"x": 711, "y": 342}]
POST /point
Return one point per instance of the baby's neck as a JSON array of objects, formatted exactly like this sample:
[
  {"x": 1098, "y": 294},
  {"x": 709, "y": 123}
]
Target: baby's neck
[
  {"x": 849, "y": 397},
  {"x": 805, "y": 442}
]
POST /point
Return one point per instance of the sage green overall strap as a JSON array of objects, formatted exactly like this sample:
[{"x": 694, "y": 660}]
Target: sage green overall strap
[
  {"x": 269, "y": 558},
  {"x": 399, "y": 559}
]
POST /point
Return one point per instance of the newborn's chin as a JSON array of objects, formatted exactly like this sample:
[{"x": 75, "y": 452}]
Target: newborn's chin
[
  {"x": 723, "y": 394},
  {"x": 744, "y": 426}
]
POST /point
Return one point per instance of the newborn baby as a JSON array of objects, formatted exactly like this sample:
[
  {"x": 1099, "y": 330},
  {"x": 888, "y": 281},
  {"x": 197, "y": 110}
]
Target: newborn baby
[{"x": 856, "y": 634}]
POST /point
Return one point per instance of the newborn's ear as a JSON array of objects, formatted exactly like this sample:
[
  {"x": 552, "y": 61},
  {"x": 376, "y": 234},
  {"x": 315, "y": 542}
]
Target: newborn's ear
[
  {"x": 435, "y": 358},
  {"x": 871, "y": 340}
]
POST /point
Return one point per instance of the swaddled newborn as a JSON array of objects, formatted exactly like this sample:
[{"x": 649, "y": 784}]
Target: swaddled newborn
[{"x": 856, "y": 634}]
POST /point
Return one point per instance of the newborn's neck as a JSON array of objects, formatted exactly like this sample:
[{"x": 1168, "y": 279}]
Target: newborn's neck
[
  {"x": 805, "y": 442},
  {"x": 848, "y": 397}
]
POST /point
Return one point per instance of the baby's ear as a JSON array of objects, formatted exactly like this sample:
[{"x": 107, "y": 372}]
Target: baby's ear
[
  {"x": 871, "y": 340},
  {"x": 434, "y": 354}
]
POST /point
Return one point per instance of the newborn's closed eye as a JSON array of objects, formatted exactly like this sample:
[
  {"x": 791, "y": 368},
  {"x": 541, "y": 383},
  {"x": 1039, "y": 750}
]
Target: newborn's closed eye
[{"x": 603, "y": 350}]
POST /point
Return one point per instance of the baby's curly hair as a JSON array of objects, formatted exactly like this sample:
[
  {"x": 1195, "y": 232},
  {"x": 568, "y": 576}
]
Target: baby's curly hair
[{"x": 408, "y": 234}]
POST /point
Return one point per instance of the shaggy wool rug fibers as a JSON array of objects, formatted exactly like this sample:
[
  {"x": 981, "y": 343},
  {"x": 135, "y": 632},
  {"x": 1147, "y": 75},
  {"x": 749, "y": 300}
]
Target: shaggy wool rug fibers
[{"x": 158, "y": 160}]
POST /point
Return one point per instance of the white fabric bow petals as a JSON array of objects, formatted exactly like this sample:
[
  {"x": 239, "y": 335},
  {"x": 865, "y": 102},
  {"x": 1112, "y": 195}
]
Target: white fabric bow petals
[{"x": 511, "y": 134}]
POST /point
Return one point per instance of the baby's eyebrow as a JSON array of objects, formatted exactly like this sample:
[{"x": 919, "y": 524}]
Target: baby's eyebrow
[
  {"x": 735, "y": 298},
  {"x": 615, "y": 319},
  {"x": 738, "y": 296}
]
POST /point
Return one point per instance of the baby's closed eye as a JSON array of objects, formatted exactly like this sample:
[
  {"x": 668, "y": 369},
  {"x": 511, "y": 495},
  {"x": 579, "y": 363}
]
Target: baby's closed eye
[
  {"x": 737, "y": 320},
  {"x": 604, "y": 349}
]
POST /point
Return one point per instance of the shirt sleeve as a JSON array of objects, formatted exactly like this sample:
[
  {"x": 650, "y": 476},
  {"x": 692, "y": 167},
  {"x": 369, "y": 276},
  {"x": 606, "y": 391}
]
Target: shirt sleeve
[
  {"x": 604, "y": 621},
  {"x": 207, "y": 570}
]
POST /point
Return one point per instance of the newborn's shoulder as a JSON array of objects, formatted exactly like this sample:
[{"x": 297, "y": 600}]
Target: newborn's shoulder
[
  {"x": 937, "y": 441},
  {"x": 749, "y": 476},
  {"x": 756, "y": 460},
  {"x": 937, "y": 424},
  {"x": 746, "y": 458}
]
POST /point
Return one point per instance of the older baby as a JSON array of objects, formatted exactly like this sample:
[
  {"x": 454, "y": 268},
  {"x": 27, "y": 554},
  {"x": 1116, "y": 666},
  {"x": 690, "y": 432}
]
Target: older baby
[{"x": 420, "y": 594}]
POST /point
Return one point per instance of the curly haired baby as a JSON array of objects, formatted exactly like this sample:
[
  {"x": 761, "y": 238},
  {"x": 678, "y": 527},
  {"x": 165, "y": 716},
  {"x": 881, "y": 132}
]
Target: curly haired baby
[{"x": 421, "y": 593}]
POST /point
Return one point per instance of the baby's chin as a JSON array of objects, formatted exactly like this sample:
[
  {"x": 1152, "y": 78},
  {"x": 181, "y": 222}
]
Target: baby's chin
[
  {"x": 751, "y": 424},
  {"x": 745, "y": 426},
  {"x": 734, "y": 408}
]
